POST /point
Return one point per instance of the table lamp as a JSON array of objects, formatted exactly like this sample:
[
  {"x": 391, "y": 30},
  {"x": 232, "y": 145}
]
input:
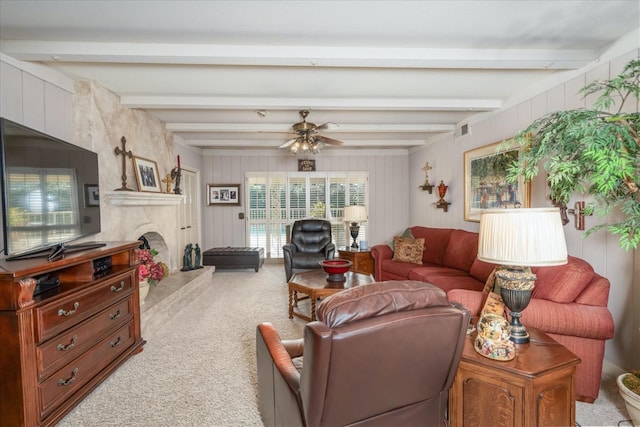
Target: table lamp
[
  {"x": 355, "y": 215},
  {"x": 518, "y": 239}
]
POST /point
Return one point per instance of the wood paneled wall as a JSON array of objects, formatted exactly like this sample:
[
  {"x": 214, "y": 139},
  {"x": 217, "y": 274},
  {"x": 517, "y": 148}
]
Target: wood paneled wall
[
  {"x": 601, "y": 249},
  {"x": 388, "y": 190}
]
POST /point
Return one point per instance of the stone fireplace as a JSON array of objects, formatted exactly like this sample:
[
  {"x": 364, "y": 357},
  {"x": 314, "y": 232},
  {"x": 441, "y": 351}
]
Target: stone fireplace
[{"x": 129, "y": 215}]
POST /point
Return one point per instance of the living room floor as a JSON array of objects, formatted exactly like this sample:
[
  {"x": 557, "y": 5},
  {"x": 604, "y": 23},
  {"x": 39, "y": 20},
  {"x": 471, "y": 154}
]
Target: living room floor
[{"x": 199, "y": 369}]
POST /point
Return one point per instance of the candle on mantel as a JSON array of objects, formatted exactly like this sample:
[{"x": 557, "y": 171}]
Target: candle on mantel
[{"x": 178, "y": 161}]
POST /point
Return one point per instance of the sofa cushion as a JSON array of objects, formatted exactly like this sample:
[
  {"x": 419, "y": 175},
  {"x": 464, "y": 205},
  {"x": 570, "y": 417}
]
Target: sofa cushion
[
  {"x": 447, "y": 283},
  {"x": 435, "y": 243},
  {"x": 377, "y": 299},
  {"x": 424, "y": 272},
  {"x": 397, "y": 268},
  {"x": 562, "y": 283},
  {"x": 462, "y": 250},
  {"x": 481, "y": 270},
  {"x": 406, "y": 233},
  {"x": 408, "y": 250}
]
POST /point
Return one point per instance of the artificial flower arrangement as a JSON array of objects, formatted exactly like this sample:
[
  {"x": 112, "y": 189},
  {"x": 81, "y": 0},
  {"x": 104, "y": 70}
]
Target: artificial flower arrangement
[{"x": 150, "y": 270}]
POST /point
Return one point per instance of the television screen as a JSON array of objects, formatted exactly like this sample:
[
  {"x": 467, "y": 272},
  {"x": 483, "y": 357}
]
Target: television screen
[{"x": 50, "y": 192}]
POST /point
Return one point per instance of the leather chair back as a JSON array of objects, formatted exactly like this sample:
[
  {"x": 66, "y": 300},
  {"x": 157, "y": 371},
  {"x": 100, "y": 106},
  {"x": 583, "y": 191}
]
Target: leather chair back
[
  {"x": 382, "y": 354},
  {"x": 311, "y": 235}
]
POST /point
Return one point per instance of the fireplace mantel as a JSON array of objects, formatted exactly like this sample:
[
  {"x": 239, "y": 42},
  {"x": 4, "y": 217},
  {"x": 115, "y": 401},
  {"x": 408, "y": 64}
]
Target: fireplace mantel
[{"x": 138, "y": 198}]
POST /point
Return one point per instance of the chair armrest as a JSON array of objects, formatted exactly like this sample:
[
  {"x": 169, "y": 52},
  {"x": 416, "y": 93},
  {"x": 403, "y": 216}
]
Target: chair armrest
[
  {"x": 329, "y": 251},
  {"x": 289, "y": 249},
  {"x": 278, "y": 353}
]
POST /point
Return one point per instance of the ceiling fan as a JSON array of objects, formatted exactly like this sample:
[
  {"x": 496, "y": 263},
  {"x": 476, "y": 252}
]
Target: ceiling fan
[{"x": 307, "y": 138}]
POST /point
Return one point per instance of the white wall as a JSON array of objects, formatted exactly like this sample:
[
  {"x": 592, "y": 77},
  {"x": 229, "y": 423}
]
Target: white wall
[
  {"x": 601, "y": 249},
  {"x": 92, "y": 117}
]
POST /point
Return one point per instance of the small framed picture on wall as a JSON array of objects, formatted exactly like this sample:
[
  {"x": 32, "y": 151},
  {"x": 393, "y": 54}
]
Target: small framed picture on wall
[{"x": 223, "y": 194}]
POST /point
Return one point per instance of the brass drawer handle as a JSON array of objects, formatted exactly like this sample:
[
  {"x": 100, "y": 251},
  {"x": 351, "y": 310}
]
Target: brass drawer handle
[
  {"x": 70, "y": 380},
  {"x": 116, "y": 342},
  {"x": 114, "y": 289},
  {"x": 62, "y": 347},
  {"x": 61, "y": 312},
  {"x": 115, "y": 315}
]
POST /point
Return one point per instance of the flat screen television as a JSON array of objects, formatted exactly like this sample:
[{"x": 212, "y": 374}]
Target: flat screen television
[{"x": 50, "y": 192}]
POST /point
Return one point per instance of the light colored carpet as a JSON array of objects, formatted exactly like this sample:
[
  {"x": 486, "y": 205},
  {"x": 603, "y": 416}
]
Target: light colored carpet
[{"x": 199, "y": 369}]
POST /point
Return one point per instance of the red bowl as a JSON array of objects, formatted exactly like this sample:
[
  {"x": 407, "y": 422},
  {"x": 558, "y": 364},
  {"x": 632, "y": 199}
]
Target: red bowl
[{"x": 336, "y": 268}]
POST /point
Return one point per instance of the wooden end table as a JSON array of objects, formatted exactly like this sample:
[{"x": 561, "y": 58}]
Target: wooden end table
[
  {"x": 534, "y": 389},
  {"x": 315, "y": 285},
  {"x": 362, "y": 261}
]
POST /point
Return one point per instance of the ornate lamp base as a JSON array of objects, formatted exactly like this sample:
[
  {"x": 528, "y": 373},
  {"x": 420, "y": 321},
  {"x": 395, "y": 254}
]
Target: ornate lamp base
[
  {"x": 516, "y": 284},
  {"x": 355, "y": 229}
]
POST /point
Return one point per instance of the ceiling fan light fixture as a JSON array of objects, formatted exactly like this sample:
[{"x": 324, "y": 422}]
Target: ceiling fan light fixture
[
  {"x": 295, "y": 147},
  {"x": 308, "y": 139}
]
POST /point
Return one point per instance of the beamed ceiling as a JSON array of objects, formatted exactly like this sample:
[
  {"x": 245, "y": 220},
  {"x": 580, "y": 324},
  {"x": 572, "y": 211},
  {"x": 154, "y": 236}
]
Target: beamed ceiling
[{"x": 392, "y": 74}]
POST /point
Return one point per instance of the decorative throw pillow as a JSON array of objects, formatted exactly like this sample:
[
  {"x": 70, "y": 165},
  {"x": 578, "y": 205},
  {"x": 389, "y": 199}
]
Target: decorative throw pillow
[
  {"x": 408, "y": 250},
  {"x": 406, "y": 233}
]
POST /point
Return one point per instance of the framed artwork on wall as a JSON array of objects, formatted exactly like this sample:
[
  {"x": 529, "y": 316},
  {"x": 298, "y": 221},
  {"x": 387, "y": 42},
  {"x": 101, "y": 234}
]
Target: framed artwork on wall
[
  {"x": 91, "y": 195},
  {"x": 485, "y": 186},
  {"x": 147, "y": 175},
  {"x": 223, "y": 194}
]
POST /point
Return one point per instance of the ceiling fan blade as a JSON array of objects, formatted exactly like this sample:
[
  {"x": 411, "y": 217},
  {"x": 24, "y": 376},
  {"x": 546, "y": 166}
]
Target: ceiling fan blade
[
  {"x": 288, "y": 143},
  {"x": 331, "y": 141},
  {"x": 328, "y": 125}
]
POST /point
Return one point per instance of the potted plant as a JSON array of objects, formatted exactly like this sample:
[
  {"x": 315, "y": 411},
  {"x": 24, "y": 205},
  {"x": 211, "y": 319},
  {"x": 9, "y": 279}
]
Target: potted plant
[
  {"x": 629, "y": 387},
  {"x": 150, "y": 272},
  {"x": 592, "y": 149}
]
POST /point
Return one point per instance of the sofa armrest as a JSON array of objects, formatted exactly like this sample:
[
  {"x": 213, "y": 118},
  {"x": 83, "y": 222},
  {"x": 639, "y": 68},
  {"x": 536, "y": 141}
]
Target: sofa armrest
[
  {"x": 379, "y": 253},
  {"x": 570, "y": 319}
]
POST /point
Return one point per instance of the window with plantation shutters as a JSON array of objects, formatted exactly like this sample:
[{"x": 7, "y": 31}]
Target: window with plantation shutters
[
  {"x": 277, "y": 199},
  {"x": 45, "y": 207}
]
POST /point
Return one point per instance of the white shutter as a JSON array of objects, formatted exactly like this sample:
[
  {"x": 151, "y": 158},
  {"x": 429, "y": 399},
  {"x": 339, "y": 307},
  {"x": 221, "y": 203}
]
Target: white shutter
[{"x": 277, "y": 199}]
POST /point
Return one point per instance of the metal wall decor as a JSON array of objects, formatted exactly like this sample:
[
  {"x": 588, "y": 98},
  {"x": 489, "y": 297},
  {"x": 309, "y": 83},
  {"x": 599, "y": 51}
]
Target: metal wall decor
[
  {"x": 427, "y": 186},
  {"x": 125, "y": 154}
]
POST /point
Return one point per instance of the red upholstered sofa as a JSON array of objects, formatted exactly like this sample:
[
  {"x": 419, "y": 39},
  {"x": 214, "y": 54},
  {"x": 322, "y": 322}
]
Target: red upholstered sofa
[{"x": 569, "y": 302}]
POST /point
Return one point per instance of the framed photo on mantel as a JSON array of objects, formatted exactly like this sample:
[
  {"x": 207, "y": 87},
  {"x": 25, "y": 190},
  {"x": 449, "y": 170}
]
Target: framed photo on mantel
[
  {"x": 147, "y": 175},
  {"x": 223, "y": 194}
]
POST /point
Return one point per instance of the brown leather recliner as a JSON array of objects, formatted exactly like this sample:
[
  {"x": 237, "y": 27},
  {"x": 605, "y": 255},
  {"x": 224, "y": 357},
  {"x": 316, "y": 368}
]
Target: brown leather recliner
[
  {"x": 383, "y": 354},
  {"x": 310, "y": 244}
]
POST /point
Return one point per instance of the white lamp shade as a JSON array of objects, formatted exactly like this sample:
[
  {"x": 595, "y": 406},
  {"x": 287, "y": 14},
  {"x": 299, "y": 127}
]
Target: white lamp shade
[
  {"x": 355, "y": 213},
  {"x": 522, "y": 237}
]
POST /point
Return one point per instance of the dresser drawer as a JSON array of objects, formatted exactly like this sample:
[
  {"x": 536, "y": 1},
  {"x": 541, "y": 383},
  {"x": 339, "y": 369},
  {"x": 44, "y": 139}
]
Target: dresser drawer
[
  {"x": 61, "y": 349},
  {"x": 71, "y": 377},
  {"x": 55, "y": 317}
]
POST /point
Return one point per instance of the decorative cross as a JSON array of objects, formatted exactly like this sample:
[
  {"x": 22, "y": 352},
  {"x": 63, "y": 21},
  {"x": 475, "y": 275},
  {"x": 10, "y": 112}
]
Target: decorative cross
[
  {"x": 426, "y": 170},
  {"x": 168, "y": 181},
  {"x": 125, "y": 154}
]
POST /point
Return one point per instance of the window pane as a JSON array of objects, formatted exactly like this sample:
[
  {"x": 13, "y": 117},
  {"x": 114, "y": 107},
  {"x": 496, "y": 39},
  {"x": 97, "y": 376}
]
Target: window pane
[{"x": 277, "y": 199}]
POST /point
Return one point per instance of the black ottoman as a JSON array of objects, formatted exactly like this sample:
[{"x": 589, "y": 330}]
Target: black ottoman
[{"x": 234, "y": 258}]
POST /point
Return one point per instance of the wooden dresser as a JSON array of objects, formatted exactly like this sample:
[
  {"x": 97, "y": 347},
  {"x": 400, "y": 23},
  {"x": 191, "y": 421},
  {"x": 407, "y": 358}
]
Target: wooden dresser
[{"x": 59, "y": 345}]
